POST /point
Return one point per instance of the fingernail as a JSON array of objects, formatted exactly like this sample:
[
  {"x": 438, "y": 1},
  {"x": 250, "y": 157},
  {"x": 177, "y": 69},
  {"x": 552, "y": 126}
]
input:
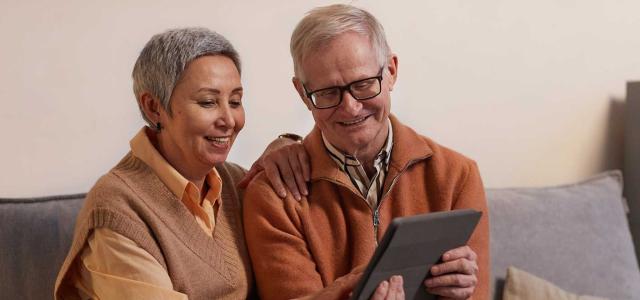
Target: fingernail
[
  {"x": 434, "y": 270},
  {"x": 385, "y": 283},
  {"x": 297, "y": 196},
  {"x": 282, "y": 193},
  {"x": 305, "y": 192}
]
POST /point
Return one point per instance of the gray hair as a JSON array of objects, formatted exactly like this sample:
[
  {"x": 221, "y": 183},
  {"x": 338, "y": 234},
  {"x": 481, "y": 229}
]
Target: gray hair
[
  {"x": 163, "y": 59},
  {"x": 323, "y": 24}
]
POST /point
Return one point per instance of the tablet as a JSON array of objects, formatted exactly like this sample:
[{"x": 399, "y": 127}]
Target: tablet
[{"x": 411, "y": 245}]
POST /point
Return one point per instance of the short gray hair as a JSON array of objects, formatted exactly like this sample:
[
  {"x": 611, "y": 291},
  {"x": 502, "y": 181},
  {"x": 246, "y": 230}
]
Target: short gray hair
[
  {"x": 163, "y": 59},
  {"x": 323, "y": 24}
]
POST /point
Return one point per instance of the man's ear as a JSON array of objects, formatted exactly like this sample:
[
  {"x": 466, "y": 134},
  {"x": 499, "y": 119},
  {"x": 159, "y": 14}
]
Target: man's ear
[
  {"x": 300, "y": 89},
  {"x": 392, "y": 69},
  {"x": 150, "y": 106}
]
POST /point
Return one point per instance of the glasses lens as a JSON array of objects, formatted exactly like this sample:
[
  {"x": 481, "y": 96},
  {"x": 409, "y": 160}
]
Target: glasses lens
[
  {"x": 365, "y": 89},
  {"x": 326, "y": 98}
]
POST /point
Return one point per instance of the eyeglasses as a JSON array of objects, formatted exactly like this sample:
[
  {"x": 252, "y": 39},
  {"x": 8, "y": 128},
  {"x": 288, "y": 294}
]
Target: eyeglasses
[{"x": 363, "y": 89}]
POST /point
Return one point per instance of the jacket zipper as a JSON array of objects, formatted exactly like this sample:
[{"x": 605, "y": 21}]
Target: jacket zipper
[{"x": 376, "y": 211}]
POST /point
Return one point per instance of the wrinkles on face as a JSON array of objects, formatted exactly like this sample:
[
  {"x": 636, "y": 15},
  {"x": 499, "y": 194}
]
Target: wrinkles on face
[
  {"x": 354, "y": 127},
  {"x": 207, "y": 116}
]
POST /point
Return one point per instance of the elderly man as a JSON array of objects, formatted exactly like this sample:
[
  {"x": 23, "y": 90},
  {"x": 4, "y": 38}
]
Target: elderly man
[{"x": 366, "y": 169}]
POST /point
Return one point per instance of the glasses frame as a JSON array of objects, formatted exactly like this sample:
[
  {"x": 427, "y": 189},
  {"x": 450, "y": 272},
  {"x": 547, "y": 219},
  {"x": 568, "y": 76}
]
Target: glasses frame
[{"x": 346, "y": 87}]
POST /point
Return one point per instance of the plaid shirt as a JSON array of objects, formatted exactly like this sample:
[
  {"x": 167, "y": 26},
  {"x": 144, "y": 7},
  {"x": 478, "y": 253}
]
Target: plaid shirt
[{"x": 370, "y": 188}]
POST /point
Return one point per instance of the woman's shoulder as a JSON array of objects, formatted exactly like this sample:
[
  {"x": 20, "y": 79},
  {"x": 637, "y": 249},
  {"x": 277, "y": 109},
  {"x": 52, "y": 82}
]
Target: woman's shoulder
[
  {"x": 231, "y": 171},
  {"x": 109, "y": 192}
]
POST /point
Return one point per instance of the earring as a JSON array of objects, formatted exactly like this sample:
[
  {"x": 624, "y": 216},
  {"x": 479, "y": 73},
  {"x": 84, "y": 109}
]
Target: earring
[{"x": 158, "y": 126}]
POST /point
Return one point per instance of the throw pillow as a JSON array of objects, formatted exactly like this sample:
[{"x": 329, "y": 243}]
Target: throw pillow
[{"x": 521, "y": 285}]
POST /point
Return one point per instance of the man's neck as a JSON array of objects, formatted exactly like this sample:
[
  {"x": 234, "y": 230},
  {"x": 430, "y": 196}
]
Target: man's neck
[{"x": 368, "y": 154}]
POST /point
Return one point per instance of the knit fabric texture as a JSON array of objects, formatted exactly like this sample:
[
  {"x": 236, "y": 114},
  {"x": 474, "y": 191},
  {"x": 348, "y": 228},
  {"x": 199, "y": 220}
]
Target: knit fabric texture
[
  {"x": 132, "y": 201},
  {"x": 299, "y": 248}
]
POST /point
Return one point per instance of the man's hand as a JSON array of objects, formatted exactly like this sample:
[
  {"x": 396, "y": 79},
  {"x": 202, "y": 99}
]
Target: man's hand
[
  {"x": 455, "y": 277},
  {"x": 283, "y": 160},
  {"x": 389, "y": 290}
]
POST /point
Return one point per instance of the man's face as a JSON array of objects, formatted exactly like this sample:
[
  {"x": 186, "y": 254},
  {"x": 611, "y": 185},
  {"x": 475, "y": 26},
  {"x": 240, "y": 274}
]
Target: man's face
[{"x": 356, "y": 127}]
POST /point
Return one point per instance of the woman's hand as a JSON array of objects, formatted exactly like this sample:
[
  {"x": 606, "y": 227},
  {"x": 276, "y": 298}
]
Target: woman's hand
[
  {"x": 283, "y": 160},
  {"x": 455, "y": 277}
]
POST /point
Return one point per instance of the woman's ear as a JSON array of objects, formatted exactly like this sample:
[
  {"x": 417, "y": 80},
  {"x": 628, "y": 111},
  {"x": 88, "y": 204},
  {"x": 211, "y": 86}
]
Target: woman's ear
[
  {"x": 150, "y": 106},
  {"x": 298, "y": 85}
]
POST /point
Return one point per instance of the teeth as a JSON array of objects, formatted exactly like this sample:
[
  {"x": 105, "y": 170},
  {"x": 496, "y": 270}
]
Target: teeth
[
  {"x": 220, "y": 140},
  {"x": 353, "y": 122}
]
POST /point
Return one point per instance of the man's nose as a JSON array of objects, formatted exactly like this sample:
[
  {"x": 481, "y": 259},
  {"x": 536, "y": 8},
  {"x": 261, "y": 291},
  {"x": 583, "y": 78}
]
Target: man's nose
[{"x": 350, "y": 104}]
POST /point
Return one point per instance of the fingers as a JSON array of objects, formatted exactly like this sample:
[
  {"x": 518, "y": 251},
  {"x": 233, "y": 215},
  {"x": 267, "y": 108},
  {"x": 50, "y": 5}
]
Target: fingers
[
  {"x": 278, "y": 168},
  {"x": 454, "y": 286},
  {"x": 451, "y": 280},
  {"x": 381, "y": 291},
  {"x": 396, "y": 291},
  {"x": 455, "y": 278},
  {"x": 460, "y": 252},
  {"x": 391, "y": 289},
  {"x": 303, "y": 158},
  {"x": 273, "y": 174},
  {"x": 462, "y": 266},
  {"x": 301, "y": 184},
  {"x": 288, "y": 167},
  {"x": 452, "y": 293}
]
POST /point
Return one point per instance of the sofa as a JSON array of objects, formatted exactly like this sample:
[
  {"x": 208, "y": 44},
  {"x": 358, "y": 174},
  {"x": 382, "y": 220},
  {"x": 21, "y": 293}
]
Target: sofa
[{"x": 564, "y": 242}]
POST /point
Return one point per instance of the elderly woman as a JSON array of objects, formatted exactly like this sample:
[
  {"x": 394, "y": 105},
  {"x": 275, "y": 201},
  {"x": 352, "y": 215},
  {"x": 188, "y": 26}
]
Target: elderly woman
[{"x": 165, "y": 222}]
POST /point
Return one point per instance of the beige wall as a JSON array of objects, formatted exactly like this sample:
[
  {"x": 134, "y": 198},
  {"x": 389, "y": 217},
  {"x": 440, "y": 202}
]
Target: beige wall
[{"x": 523, "y": 87}]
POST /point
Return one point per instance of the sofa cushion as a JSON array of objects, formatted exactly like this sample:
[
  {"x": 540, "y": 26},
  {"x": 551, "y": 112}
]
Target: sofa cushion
[
  {"x": 521, "y": 285},
  {"x": 576, "y": 236},
  {"x": 35, "y": 235}
]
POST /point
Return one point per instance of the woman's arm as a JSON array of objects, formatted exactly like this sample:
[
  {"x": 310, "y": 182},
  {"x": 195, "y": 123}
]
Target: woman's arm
[{"x": 112, "y": 266}]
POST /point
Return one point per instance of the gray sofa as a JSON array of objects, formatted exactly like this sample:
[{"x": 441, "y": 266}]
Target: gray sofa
[{"x": 575, "y": 236}]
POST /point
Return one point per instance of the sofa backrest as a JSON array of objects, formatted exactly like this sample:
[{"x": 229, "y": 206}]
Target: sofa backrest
[
  {"x": 575, "y": 236},
  {"x": 35, "y": 235}
]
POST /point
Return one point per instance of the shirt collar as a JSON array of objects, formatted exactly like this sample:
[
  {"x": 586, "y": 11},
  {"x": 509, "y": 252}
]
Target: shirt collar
[
  {"x": 143, "y": 149},
  {"x": 343, "y": 160}
]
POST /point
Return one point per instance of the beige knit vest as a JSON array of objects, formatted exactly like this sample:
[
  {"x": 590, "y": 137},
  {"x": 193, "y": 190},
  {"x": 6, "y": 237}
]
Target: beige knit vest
[{"x": 132, "y": 201}]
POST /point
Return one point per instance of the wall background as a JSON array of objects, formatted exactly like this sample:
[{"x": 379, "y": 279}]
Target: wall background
[{"x": 532, "y": 90}]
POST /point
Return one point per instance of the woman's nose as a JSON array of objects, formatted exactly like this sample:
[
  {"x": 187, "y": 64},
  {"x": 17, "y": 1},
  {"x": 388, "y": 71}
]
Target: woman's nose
[{"x": 225, "y": 119}]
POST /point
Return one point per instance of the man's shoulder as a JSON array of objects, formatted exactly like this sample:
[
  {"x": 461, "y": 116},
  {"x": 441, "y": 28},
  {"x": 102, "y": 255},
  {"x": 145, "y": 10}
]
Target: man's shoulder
[
  {"x": 259, "y": 190},
  {"x": 436, "y": 152},
  {"x": 446, "y": 154},
  {"x": 437, "y": 158}
]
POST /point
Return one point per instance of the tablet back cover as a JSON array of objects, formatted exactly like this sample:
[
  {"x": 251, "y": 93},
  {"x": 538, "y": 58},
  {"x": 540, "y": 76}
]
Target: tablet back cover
[{"x": 411, "y": 245}]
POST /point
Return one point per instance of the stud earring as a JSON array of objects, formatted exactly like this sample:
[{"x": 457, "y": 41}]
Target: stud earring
[{"x": 158, "y": 126}]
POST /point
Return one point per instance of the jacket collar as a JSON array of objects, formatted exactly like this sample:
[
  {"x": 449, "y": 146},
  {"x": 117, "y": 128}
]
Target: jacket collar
[{"x": 408, "y": 147}]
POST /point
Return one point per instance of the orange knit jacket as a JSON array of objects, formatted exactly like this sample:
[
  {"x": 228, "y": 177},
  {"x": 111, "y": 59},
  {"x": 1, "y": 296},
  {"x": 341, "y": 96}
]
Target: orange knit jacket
[{"x": 299, "y": 248}]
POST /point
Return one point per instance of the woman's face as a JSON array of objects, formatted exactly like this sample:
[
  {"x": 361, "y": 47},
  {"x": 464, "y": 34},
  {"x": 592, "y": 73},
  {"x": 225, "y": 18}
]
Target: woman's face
[{"x": 207, "y": 115}]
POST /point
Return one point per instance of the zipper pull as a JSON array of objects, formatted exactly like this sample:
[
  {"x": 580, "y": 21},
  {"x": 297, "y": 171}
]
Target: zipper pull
[{"x": 376, "y": 222}]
